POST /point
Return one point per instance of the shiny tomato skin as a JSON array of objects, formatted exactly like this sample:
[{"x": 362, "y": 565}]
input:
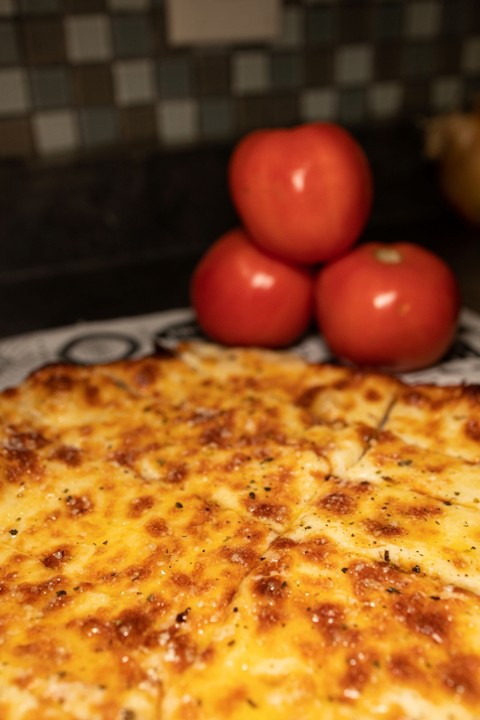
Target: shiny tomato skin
[
  {"x": 244, "y": 296},
  {"x": 390, "y": 306},
  {"x": 303, "y": 193}
]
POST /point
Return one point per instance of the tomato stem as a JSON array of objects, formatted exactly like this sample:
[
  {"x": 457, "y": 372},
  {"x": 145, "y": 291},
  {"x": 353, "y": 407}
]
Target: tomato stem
[{"x": 388, "y": 255}]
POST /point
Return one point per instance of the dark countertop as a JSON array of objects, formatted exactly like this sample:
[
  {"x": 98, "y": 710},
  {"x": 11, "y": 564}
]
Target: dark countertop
[{"x": 114, "y": 236}]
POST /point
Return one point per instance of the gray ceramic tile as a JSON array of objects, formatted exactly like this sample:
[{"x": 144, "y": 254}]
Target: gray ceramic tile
[{"x": 132, "y": 35}]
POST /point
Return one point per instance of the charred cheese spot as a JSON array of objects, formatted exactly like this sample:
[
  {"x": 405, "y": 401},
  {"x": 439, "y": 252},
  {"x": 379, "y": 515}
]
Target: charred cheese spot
[
  {"x": 380, "y": 529},
  {"x": 404, "y": 667},
  {"x": 268, "y": 511},
  {"x": 357, "y": 675},
  {"x": 138, "y": 506},
  {"x": 315, "y": 550},
  {"x": 71, "y": 456},
  {"x": 422, "y": 615},
  {"x": 331, "y": 620},
  {"x": 156, "y": 527},
  {"x": 79, "y": 505},
  {"x": 338, "y": 503},
  {"x": 240, "y": 555},
  {"x": 146, "y": 375},
  {"x": 461, "y": 675},
  {"x": 33, "y": 592},
  {"x": 472, "y": 429},
  {"x": 57, "y": 558}
]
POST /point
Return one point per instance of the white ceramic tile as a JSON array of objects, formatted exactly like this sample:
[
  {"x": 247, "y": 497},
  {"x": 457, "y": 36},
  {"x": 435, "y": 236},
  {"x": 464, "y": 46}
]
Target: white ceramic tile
[
  {"x": 128, "y": 5},
  {"x": 471, "y": 55},
  {"x": 7, "y": 7},
  {"x": 177, "y": 122},
  {"x": 55, "y": 132},
  {"x": 354, "y": 64},
  {"x": 447, "y": 93},
  {"x": 422, "y": 18},
  {"x": 385, "y": 99},
  {"x": 250, "y": 71},
  {"x": 134, "y": 81},
  {"x": 88, "y": 38},
  {"x": 14, "y": 95},
  {"x": 318, "y": 104}
]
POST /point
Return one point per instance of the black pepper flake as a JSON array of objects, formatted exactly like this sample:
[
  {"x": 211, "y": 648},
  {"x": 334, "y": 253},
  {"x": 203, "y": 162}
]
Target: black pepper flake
[
  {"x": 393, "y": 590},
  {"x": 182, "y": 616},
  {"x": 344, "y": 570},
  {"x": 252, "y": 703},
  {"x": 434, "y": 597},
  {"x": 61, "y": 593},
  {"x": 13, "y": 531},
  {"x": 178, "y": 505},
  {"x": 267, "y": 489},
  {"x": 416, "y": 569},
  {"x": 386, "y": 556},
  {"x": 251, "y": 495}
]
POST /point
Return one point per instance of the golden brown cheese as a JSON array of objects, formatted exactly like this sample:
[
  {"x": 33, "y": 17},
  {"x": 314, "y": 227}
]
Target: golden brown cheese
[
  {"x": 445, "y": 418},
  {"x": 237, "y": 534}
]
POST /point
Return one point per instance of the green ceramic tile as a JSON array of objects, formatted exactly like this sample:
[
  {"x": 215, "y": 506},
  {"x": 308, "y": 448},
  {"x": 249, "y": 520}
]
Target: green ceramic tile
[
  {"x": 352, "y": 106},
  {"x": 132, "y": 35},
  {"x": 8, "y": 44},
  {"x": 419, "y": 59},
  {"x": 286, "y": 70},
  {"x": 39, "y": 7},
  {"x": 388, "y": 20},
  {"x": 50, "y": 87},
  {"x": 174, "y": 76},
  {"x": 216, "y": 118},
  {"x": 321, "y": 24}
]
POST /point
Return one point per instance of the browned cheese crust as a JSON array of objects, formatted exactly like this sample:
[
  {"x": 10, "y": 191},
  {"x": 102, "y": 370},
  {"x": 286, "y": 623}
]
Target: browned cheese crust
[{"x": 237, "y": 534}]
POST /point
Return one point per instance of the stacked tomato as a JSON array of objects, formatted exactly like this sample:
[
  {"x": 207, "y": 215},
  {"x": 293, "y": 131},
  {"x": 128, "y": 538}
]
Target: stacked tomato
[{"x": 304, "y": 197}]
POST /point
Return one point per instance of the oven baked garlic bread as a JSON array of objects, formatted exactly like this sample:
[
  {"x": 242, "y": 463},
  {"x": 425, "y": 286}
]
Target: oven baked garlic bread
[{"x": 232, "y": 533}]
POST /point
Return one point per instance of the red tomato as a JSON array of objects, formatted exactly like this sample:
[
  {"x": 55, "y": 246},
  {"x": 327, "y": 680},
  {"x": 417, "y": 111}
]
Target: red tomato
[
  {"x": 305, "y": 193},
  {"x": 390, "y": 306},
  {"x": 243, "y": 296}
]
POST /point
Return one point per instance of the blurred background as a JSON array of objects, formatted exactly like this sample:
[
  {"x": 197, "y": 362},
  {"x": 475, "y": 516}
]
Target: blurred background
[{"x": 117, "y": 118}]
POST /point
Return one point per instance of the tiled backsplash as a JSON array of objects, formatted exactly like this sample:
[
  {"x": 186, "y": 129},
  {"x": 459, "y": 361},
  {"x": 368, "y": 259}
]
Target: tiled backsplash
[{"x": 80, "y": 75}]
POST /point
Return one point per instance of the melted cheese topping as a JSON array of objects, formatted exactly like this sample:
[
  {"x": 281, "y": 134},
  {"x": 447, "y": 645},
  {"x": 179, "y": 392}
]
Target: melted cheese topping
[{"x": 237, "y": 534}]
